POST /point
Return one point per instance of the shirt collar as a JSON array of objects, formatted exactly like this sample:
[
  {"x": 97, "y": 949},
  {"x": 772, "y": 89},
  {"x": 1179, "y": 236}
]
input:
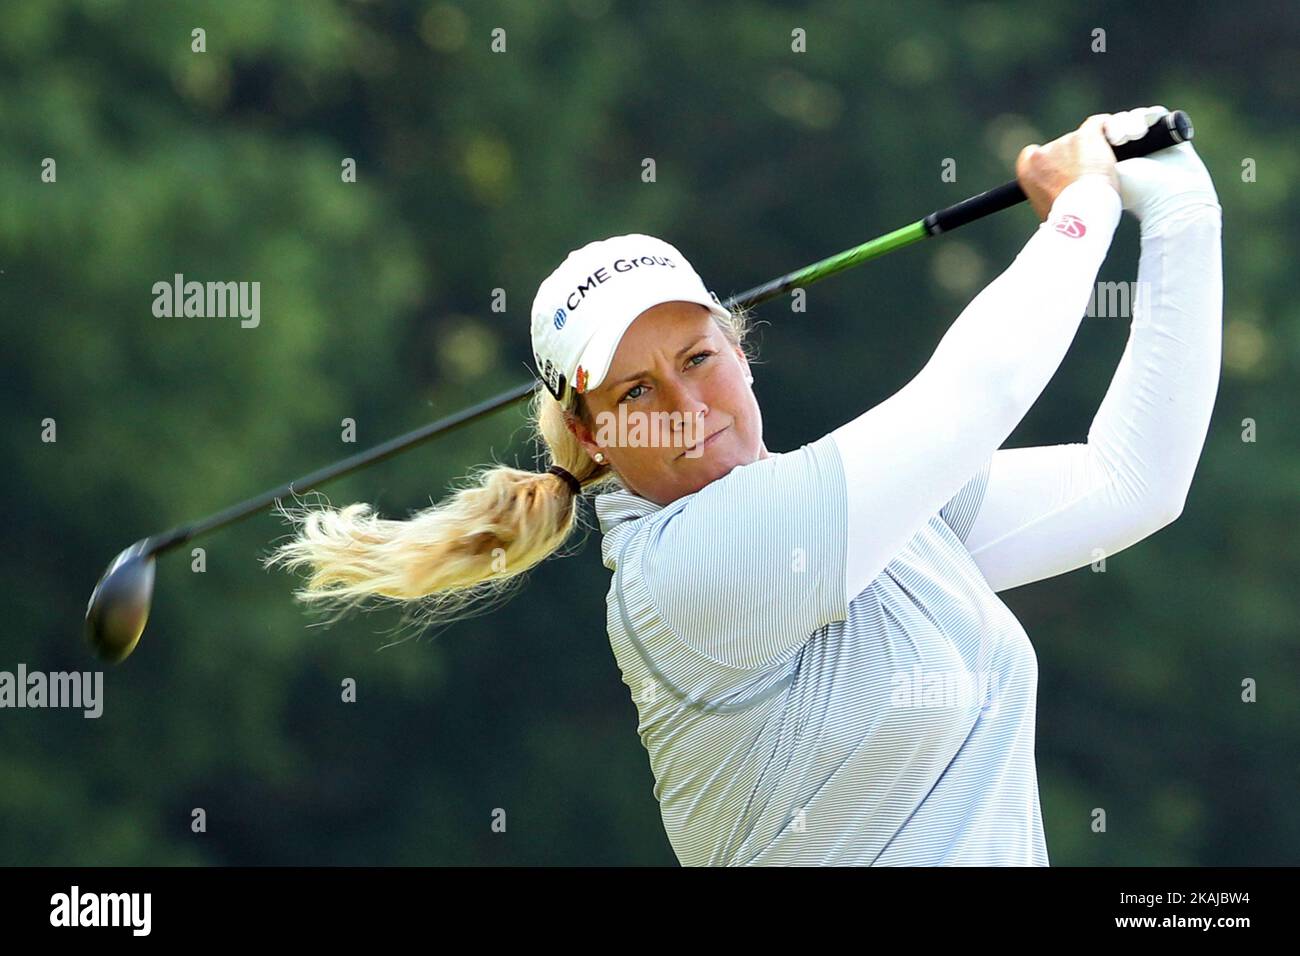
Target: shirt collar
[{"x": 618, "y": 511}]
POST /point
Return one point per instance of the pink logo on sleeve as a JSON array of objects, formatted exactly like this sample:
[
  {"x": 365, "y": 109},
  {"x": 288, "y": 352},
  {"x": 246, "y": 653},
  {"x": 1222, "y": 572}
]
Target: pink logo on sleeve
[{"x": 1071, "y": 226}]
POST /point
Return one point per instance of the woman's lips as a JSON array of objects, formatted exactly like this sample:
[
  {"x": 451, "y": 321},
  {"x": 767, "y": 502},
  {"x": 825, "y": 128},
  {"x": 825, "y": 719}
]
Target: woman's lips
[{"x": 707, "y": 442}]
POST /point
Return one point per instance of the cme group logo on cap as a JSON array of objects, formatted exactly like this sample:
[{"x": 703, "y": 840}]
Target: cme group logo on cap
[{"x": 560, "y": 316}]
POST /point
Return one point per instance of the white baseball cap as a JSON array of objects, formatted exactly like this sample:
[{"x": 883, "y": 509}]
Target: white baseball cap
[{"x": 583, "y": 308}]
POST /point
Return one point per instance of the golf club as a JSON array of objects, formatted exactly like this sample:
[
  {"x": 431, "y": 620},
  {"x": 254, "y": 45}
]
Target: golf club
[{"x": 119, "y": 605}]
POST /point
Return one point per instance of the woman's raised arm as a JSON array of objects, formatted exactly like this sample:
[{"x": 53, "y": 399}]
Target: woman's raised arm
[{"x": 908, "y": 456}]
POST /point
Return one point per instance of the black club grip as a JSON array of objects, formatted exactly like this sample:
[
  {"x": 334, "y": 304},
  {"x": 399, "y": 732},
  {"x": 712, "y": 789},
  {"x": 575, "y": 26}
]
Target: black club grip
[{"x": 1171, "y": 129}]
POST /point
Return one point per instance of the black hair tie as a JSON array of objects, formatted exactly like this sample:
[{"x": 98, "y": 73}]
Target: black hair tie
[{"x": 569, "y": 480}]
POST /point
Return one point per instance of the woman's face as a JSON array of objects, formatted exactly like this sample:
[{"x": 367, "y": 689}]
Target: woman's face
[{"x": 677, "y": 372}]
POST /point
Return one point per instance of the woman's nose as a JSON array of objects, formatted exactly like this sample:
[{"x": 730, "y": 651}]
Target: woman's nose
[{"x": 682, "y": 398}]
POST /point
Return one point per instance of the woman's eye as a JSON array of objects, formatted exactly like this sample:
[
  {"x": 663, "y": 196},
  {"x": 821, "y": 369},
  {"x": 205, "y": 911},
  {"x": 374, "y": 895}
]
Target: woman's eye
[{"x": 692, "y": 364}]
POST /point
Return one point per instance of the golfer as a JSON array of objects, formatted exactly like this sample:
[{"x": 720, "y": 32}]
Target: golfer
[{"x": 822, "y": 668}]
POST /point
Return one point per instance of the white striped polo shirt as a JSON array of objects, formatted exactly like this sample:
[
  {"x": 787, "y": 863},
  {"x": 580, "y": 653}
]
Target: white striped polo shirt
[{"x": 786, "y": 725}]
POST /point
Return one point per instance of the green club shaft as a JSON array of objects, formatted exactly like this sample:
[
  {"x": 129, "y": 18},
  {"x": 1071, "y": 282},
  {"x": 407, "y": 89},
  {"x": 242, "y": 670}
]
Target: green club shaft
[{"x": 871, "y": 249}]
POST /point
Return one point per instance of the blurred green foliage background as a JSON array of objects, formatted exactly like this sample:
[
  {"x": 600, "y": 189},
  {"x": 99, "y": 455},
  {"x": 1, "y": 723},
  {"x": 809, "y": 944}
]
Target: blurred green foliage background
[{"x": 478, "y": 171}]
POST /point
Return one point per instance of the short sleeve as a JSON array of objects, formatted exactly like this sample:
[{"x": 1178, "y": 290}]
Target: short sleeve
[
  {"x": 960, "y": 511},
  {"x": 753, "y": 564}
]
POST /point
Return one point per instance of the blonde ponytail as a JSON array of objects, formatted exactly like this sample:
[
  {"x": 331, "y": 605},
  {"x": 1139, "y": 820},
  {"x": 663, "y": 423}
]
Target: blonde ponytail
[{"x": 473, "y": 546}]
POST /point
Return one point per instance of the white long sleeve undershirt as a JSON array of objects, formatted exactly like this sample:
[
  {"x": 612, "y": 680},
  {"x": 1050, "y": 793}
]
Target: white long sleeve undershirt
[
  {"x": 1047, "y": 510},
  {"x": 906, "y": 457},
  {"x": 1051, "y": 509},
  {"x": 910, "y": 454}
]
